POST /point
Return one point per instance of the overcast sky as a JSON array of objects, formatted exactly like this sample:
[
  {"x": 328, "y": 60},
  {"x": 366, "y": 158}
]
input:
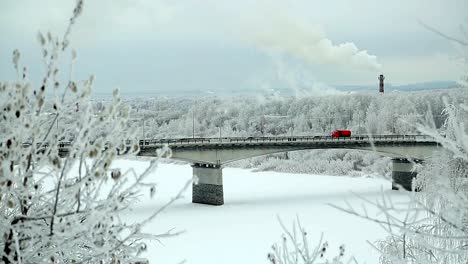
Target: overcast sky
[{"x": 209, "y": 45}]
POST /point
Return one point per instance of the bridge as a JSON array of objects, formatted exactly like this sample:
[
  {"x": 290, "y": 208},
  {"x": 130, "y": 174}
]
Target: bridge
[{"x": 208, "y": 155}]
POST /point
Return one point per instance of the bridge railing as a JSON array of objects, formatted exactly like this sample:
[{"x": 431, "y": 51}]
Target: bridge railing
[
  {"x": 256, "y": 140},
  {"x": 176, "y": 141}
]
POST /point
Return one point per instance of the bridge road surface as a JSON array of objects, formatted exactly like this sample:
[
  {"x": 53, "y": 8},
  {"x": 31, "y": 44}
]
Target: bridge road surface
[{"x": 226, "y": 149}]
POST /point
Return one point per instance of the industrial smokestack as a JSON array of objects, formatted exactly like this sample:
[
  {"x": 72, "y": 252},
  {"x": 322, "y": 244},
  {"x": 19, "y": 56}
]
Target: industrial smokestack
[{"x": 381, "y": 83}]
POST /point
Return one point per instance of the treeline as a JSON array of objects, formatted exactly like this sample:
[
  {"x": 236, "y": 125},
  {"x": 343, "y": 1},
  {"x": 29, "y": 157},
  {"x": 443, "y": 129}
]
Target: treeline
[{"x": 394, "y": 113}]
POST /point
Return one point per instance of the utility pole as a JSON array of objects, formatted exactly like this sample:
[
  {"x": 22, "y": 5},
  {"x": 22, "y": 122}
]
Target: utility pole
[
  {"x": 292, "y": 128},
  {"x": 262, "y": 125},
  {"x": 359, "y": 122},
  {"x": 193, "y": 123}
]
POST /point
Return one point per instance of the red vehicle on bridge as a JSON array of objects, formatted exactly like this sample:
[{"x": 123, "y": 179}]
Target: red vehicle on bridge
[{"x": 341, "y": 133}]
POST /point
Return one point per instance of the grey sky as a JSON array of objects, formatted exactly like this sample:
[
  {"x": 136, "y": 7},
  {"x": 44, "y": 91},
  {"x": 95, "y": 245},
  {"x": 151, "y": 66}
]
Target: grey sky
[{"x": 154, "y": 45}]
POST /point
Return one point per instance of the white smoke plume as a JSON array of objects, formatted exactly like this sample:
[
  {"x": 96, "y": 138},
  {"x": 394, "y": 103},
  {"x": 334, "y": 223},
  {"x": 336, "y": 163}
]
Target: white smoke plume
[{"x": 282, "y": 34}]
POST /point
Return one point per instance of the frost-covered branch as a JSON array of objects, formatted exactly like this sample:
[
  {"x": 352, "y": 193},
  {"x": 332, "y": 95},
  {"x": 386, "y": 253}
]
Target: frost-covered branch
[
  {"x": 295, "y": 248},
  {"x": 63, "y": 203}
]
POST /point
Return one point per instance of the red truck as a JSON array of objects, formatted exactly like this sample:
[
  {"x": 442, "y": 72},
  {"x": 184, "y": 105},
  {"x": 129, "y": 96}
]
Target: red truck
[{"x": 341, "y": 133}]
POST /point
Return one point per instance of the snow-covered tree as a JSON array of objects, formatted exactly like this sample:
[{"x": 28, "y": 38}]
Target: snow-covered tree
[
  {"x": 432, "y": 227},
  {"x": 61, "y": 193}
]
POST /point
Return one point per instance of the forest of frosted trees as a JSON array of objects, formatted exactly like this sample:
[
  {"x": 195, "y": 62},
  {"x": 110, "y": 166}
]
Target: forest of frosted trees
[{"x": 393, "y": 113}]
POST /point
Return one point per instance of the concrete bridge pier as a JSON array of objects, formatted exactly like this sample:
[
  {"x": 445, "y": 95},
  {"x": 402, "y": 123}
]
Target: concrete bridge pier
[
  {"x": 403, "y": 174},
  {"x": 207, "y": 187}
]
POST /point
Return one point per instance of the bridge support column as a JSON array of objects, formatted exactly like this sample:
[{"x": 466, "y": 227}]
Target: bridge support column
[
  {"x": 208, "y": 189},
  {"x": 403, "y": 174}
]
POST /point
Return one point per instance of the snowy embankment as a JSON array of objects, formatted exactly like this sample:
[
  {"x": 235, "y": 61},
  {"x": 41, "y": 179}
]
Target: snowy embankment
[
  {"x": 321, "y": 162},
  {"x": 243, "y": 230}
]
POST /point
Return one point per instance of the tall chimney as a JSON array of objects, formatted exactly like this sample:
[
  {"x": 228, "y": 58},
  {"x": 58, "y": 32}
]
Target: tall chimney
[{"x": 381, "y": 83}]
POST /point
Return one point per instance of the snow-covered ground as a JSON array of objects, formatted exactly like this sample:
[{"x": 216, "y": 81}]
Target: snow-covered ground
[{"x": 243, "y": 230}]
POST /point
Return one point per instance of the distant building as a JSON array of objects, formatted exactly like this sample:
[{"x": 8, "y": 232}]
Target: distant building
[{"x": 381, "y": 84}]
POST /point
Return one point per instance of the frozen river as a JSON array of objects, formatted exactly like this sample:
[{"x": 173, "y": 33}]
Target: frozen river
[{"x": 243, "y": 230}]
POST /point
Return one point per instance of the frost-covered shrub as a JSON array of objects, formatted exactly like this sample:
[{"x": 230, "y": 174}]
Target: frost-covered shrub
[
  {"x": 295, "y": 248},
  {"x": 436, "y": 227},
  {"x": 61, "y": 193}
]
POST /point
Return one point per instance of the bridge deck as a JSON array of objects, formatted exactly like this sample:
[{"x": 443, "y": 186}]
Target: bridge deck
[{"x": 229, "y": 141}]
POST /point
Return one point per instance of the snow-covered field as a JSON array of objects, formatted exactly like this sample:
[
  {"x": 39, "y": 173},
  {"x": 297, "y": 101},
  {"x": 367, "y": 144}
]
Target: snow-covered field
[{"x": 243, "y": 230}]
